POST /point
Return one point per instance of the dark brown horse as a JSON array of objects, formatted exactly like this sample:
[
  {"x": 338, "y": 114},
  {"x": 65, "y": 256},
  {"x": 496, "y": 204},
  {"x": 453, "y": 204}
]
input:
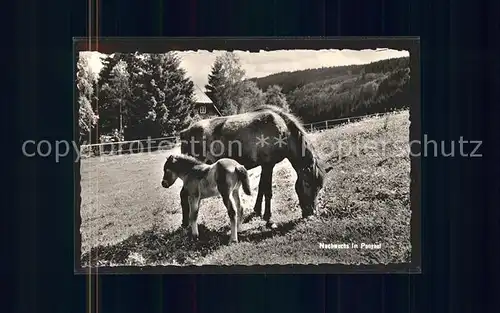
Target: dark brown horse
[{"x": 262, "y": 137}]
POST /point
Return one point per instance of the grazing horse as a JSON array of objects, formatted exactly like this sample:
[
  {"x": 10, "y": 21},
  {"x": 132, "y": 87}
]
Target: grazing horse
[
  {"x": 202, "y": 181},
  {"x": 262, "y": 137}
]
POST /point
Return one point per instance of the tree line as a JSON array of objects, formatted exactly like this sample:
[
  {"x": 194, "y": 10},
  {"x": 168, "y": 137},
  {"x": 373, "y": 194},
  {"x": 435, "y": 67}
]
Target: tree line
[{"x": 136, "y": 96}]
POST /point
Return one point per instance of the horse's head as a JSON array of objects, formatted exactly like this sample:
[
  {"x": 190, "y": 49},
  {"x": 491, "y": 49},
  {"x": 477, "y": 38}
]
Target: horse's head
[
  {"x": 169, "y": 175},
  {"x": 310, "y": 180}
]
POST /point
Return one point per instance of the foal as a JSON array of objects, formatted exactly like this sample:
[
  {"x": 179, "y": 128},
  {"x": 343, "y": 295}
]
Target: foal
[{"x": 202, "y": 181}]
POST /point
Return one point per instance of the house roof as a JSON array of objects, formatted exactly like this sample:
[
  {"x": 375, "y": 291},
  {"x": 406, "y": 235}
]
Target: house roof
[{"x": 200, "y": 96}]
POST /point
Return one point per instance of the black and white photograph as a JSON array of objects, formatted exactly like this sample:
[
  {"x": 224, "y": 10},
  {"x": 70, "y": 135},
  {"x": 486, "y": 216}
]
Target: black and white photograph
[{"x": 228, "y": 157}]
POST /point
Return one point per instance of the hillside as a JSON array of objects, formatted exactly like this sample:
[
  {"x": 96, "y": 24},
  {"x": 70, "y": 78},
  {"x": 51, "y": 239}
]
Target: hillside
[{"x": 343, "y": 91}]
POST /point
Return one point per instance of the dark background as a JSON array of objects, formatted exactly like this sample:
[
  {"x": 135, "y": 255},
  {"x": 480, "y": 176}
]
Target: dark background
[{"x": 460, "y": 212}]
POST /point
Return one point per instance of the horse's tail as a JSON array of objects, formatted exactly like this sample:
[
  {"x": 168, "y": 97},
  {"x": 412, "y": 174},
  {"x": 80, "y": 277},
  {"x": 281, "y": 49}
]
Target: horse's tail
[
  {"x": 188, "y": 137},
  {"x": 242, "y": 173},
  {"x": 183, "y": 136}
]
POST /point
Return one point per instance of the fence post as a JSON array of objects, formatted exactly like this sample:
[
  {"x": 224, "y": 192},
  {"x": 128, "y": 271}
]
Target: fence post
[{"x": 326, "y": 124}]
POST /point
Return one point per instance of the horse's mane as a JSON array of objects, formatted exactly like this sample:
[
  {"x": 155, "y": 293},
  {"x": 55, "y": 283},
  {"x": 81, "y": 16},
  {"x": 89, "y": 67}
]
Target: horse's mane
[
  {"x": 289, "y": 118},
  {"x": 185, "y": 160},
  {"x": 292, "y": 121},
  {"x": 295, "y": 124}
]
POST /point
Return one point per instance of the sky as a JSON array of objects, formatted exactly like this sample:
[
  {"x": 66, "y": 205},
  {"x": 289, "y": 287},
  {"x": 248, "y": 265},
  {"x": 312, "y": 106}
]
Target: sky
[{"x": 259, "y": 64}]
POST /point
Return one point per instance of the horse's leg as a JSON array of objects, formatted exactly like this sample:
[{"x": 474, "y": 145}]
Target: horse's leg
[
  {"x": 257, "y": 209},
  {"x": 185, "y": 208},
  {"x": 268, "y": 192},
  {"x": 231, "y": 206},
  {"x": 265, "y": 169},
  {"x": 227, "y": 198},
  {"x": 194, "y": 205},
  {"x": 236, "y": 197}
]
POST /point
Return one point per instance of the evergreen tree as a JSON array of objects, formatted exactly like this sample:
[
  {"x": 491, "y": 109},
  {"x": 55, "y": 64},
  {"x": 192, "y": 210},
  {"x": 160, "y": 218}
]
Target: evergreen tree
[
  {"x": 113, "y": 99},
  {"x": 161, "y": 97},
  {"x": 111, "y": 93},
  {"x": 175, "y": 92},
  {"x": 109, "y": 62},
  {"x": 140, "y": 107},
  {"x": 85, "y": 81},
  {"x": 215, "y": 87},
  {"x": 225, "y": 83}
]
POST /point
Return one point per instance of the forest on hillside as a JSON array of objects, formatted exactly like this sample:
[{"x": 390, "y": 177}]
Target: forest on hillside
[
  {"x": 344, "y": 91},
  {"x": 136, "y": 96}
]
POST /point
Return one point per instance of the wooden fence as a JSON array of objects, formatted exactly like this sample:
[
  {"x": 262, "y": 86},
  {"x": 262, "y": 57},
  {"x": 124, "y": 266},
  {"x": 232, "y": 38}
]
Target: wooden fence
[{"x": 167, "y": 143}]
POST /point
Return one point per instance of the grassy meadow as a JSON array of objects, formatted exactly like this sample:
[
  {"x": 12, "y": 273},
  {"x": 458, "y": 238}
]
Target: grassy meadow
[{"x": 129, "y": 219}]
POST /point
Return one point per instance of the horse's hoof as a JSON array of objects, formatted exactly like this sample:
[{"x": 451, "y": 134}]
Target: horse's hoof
[
  {"x": 250, "y": 217},
  {"x": 271, "y": 225},
  {"x": 307, "y": 215}
]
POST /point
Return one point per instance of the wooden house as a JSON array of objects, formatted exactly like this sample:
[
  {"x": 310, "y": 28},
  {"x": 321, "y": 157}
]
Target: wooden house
[{"x": 204, "y": 107}]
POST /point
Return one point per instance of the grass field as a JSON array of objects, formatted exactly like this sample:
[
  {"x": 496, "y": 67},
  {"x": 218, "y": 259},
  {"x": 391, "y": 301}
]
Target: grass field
[{"x": 129, "y": 219}]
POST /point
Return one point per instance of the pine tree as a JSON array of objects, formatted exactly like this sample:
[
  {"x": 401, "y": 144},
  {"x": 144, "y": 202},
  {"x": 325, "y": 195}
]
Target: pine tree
[
  {"x": 112, "y": 91},
  {"x": 161, "y": 97},
  {"x": 215, "y": 87},
  {"x": 225, "y": 83},
  {"x": 85, "y": 81},
  {"x": 139, "y": 111},
  {"x": 114, "y": 100},
  {"x": 175, "y": 92},
  {"x": 109, "y": 62}
]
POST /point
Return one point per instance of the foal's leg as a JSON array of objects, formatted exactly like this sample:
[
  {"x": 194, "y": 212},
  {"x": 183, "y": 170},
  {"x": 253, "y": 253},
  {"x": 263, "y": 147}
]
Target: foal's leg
[
  {"x": 224, "y": 188},
  {"x": 194, "y": 205},
  {"x": 231, "y": 210},
  {"x": 268, "y": 192},
  {"x": 236, "y": 197},
  {"x": 230, "y": 204}
]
